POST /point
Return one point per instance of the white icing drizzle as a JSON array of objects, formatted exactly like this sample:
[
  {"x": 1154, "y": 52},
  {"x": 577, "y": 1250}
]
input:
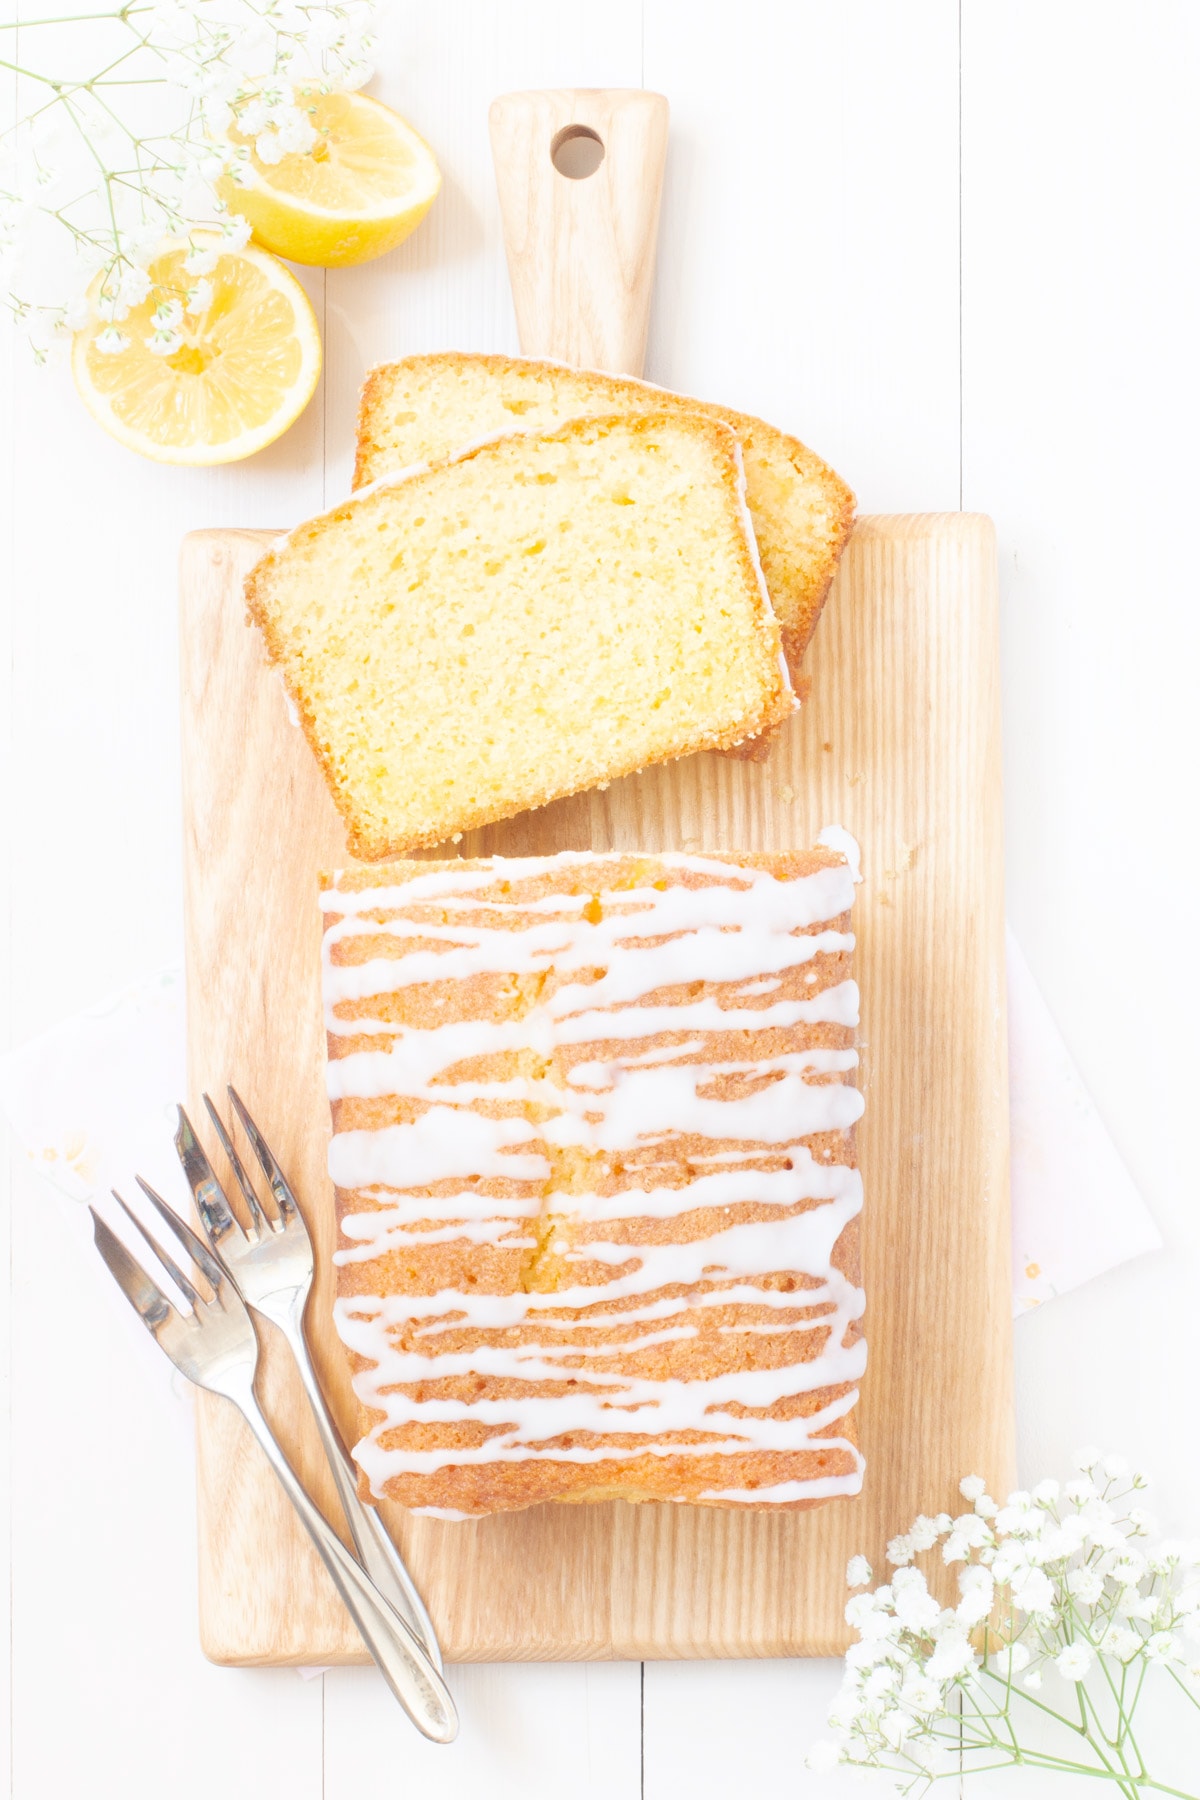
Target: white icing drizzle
[
  {"x": 836, "y": 837},
  {"x": 743, "y": 928}
]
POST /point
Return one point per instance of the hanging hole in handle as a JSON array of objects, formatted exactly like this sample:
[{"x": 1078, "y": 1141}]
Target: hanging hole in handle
[{"x": 577, "y": 152}]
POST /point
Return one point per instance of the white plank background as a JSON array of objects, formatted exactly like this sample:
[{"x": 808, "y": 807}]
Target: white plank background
[{"x": 956, "y": 249}]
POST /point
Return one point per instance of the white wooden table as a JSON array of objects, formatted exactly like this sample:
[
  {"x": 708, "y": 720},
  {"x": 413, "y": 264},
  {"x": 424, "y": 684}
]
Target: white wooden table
[{"x": 955, "y": 248}]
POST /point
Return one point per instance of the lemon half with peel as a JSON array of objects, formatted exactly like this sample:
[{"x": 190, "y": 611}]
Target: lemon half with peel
[
  {"x": 366, "y": 184},
  {"x": 232, "y": 367}
]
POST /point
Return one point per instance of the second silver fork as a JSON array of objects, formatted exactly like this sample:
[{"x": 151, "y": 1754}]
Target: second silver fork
[{"x": 271, "y": 1265}]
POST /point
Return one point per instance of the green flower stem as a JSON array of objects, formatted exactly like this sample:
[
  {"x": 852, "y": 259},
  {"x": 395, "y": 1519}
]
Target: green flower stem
[{"x": 121, "y": 16}]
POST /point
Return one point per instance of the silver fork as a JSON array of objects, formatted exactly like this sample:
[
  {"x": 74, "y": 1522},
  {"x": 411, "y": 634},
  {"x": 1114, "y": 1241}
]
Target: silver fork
[
  {"x": 215, "y": 1346},
  {"x": 271, "y": 1266}
]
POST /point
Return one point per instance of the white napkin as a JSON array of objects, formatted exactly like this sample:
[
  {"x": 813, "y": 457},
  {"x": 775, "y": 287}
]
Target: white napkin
[
  {"x": 1075, "y": 1210},
  {"x": 92, "y": 1103}
]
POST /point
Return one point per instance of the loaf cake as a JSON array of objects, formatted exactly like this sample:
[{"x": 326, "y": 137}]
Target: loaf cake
[
  {"x": 593, "y": 1152},
  {"x": 533, "y": 617},
  {"x": 427, "y": 406}
]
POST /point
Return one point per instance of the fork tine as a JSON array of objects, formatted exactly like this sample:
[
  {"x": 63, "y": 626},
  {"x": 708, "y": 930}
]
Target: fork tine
[
  {"x": 143, "y": 1295},
  {"x": 258, "y": 1217},
  {"x": 177, "y": 1275},
  {"x": 284, "y": 1197},
  {"x": 207, "y": 1192},
  {"x": 199, "y": 1252}
]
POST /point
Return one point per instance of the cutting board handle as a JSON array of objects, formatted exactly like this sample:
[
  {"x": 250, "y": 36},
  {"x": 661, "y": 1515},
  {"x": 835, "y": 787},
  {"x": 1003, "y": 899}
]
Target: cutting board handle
[{"x": 581, "y": 244}]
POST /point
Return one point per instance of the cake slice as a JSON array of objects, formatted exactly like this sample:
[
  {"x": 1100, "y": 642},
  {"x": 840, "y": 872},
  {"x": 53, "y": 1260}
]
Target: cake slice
[
  {"x": 427, "y": 406},
  {"x": 593, "y": 1151},
  {"x": 538, "y": 615}
]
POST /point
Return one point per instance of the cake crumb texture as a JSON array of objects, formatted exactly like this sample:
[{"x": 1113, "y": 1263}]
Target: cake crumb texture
[
  {"x": 538, "y": 615},
  {"x": 424, "y": 407}
]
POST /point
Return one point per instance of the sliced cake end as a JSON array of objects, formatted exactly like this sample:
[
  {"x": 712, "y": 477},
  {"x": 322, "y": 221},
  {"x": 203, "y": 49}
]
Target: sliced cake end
[{"x": 536, "y": 616}]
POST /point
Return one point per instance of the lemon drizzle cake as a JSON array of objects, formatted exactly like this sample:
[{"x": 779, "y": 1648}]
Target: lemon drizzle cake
[
  {"x": 425, "y": 407},
  {"x": 537, "y": 616},
  {"x": 594, "y": 1159}
]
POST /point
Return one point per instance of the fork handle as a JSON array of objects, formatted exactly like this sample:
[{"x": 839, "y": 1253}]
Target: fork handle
[
  {"x": 376, "y": 1551},
  {"x": 402, "y": 1660}
]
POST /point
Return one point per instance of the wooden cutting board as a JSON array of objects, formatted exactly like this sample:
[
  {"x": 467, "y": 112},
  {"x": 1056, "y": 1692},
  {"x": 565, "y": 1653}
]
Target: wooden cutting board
[{"x": 900, "y": 743}]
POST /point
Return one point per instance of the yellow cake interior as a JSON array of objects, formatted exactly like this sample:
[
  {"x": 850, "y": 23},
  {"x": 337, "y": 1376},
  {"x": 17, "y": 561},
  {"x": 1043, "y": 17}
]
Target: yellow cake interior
[{"x": 539, "y": 616}]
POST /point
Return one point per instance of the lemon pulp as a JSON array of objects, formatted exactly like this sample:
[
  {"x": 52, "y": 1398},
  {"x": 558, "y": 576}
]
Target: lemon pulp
[
  {"x": 368, "y": 182},
  {"x": 244, "y": 369}
]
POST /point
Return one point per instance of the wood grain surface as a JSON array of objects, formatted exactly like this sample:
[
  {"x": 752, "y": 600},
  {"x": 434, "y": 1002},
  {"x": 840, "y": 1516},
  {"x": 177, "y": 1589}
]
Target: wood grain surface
[
  {"x": 900, "y": 743},
  {"x": 581, "y": 251}
]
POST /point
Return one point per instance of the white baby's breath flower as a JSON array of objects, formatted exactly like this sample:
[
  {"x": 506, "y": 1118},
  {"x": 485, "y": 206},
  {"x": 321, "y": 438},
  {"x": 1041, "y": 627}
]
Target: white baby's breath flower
[
  {"x": 952, "y": 1655},
  {"x": 107, "y": 304},
  {"x": 1021, "y": 1521},
  {"x": 167, "y": 315},
  {"x": 1087, "y": 1585},
  {"x": 978, "y": 1590},
  {"x": 1073, "y": 1530},
  {"x": 895, "y": 1726},
  {"x": 917, "y": 1612},
  {"x": 253, "y": 117},
  {"x": 1074, "y": 1662},
  {"x": 971, "y": 1487},
  {"x": 1120, "y": 1642},
  {"x": 1011, "y": 1561},
  {"x": 1163, "y": 1646},
  {"x": 236, "y": 233},
  {"x": 921, "y": 1694},
  {"x": 1104, "y": 1536},
  {"x": 164, "y": 342},
  {"x": 82, "y": 193},
  {"x": 1033, "y": 1592},
  {"x": 1087, "y": 1458},
  {"x": 135, "y": 285},
  {"x": 923, "y": 1533},
  {"x": 974, "y": 1607},
  {"x": 110, "y": 341},
  {"x": 1129, "y": 1570},
  {"x": 199, "y": 299},
  {"x": 858, "y": 1572},
  {"x": 1124, "y": 1596},
  {"x": 859, "y": 1608},
  {"x": 268, "y": 148},
  {"x": 201, "y": 259}
]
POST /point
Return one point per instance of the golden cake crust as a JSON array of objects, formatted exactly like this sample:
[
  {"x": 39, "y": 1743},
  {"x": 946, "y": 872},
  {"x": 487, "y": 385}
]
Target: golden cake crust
[
  {"x": 755, "y": 648},
  {"x": 799, "y": 563},
  {"x": 568, "y": 1235}
]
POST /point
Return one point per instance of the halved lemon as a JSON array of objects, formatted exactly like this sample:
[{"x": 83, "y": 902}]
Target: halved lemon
[
  {"x": 212, "y": 384},
  {"x": 365, "y": 186}
]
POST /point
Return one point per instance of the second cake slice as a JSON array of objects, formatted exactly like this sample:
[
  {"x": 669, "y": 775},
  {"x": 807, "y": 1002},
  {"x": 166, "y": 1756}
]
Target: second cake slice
[{"x": 537, "y": 616}]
